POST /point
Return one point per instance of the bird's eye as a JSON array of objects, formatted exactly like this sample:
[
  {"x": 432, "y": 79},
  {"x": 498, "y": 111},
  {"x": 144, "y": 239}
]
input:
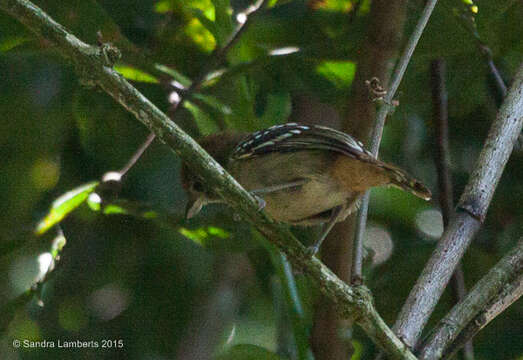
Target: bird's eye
[{"x": 197, "y": 186}]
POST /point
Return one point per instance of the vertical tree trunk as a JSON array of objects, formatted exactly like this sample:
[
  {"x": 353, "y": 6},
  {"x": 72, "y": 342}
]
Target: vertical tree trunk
[{"x": 375, "y": 59}]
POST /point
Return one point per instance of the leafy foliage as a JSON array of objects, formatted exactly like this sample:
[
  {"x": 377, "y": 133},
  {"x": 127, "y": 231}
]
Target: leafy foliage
[{"x": 145, "y": 275}]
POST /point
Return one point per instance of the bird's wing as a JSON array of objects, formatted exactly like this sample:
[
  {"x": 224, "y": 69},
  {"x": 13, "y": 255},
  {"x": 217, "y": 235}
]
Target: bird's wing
[{"x": 295, "y": 137}]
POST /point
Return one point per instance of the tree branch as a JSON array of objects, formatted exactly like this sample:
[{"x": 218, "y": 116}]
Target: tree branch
[
  {"x": 509, "y": 270},
  {"x": 384, "y": 110},
  {"x": 442, "y": 162},
  {"x": 471, "y": 211},
  {"x": 510, "y": 294},
  {"x": 94, "y": 63}
]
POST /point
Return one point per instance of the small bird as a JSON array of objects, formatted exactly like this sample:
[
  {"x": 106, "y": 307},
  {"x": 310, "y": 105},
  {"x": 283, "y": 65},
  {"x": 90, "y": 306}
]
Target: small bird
[{"x": 302, "y": 174}]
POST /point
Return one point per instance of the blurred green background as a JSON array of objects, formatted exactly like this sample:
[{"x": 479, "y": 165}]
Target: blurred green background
[{"x": 169, "y": 288}]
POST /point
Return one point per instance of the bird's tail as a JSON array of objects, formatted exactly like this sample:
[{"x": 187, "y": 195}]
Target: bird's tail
[{"x": 404, "y": 181}]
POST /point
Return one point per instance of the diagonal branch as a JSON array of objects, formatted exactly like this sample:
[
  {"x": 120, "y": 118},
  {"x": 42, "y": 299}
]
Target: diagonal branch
[
  {"x": 471, "y": 211},
  {"x": 508, "y": 271},
  {"x": 93, "y": 62}
]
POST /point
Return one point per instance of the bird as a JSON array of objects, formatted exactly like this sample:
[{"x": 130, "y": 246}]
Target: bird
[{"x": 302, "y": 174}]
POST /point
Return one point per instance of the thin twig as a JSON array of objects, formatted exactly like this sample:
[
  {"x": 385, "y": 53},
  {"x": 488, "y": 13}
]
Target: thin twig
[
  {"x": 216, "y": 59},
  {"x": 442, "y": 161},
  {"x": 384, "y": 110},
  {"x": 468, "y": 21},
  {"x": 91, "y": 61},
  {"x": 8, "y": 310},
  {"x": 490, "y": 289},
  {"x": 137, "y": 154},
  {"x": 509, "y": 295},
  {"x": 294, "y": 307},
  {"x": 471, "y": 211},
  {"x": 441, "y": 137}
]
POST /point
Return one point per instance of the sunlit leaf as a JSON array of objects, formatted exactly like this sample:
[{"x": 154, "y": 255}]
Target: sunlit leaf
[
  {"x": 203, "y": 236},
  {"x": 197, "y": 235},
  {"x": 163, "y": 6},
  {"x": 358, "y": 350},
  {"x": 62, "y": 206},
  {"x": 248, "y": 352},
  {"x": 340, "y": 73},
  {"x": 135, "y": 74},
  {"x": 206, "y": 6},
  {"x": 200, "y": 35},
  {"x": 206, "y": 22},
  {"x": 335, "y": 5},
  {"x": 122, "y": 207},
  {"x": 216, "y": 231},
  {"x": 112, "y": 209}
]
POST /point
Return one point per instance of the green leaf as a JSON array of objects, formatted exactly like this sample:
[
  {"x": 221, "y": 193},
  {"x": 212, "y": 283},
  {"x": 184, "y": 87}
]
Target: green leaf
[
  {"x": 62, "y": 206},
  {"x": 163, "y": 6},
  {"x": 248, "y": 352},
  {"x": 223, "y": 20},
  {"x": 113, "y": 209},
  {"x": 125, "y": 207},
  {"x": 204, "y": 236},
  {"x": 200, "y": 34},
  {"x": 206, "y": 22},
  {"x": 213, "y": 103},
  {"x": 336, "y": 5},
  {"x": 135, "y": 74},
  {"x": 182, "y": 79},
  {"x": 340, "y": 73}
]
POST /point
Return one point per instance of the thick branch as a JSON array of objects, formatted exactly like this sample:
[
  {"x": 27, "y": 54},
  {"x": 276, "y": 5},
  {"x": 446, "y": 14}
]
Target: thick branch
[
  {"x": 350, "y": 301},
  {"x": 508, "y": 269},
  {"x": 471, "y": 211}
]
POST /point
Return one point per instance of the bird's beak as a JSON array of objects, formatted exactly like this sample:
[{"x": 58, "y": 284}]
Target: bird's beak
[{"x": 194, "y": 206}]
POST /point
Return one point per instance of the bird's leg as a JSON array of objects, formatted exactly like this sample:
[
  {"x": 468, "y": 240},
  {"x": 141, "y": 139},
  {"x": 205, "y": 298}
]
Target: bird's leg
[
  {"x": 260, "y": 201},
  {"x": 273, "y": 188},
  {"x": 336, "y": 212}
]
